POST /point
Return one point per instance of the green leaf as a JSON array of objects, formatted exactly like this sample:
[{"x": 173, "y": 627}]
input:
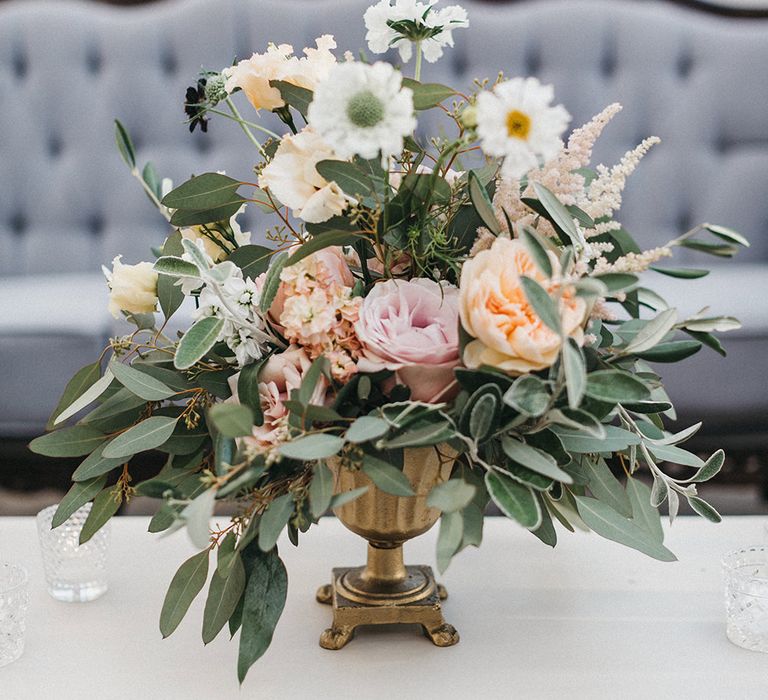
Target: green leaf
[
  {"x": 514, "y": 500},
  {"x": 147, "y": 435},
  {"x": 297, "y": 97},
  {"x": 386, "y": 476},
  {"x": 607, "y": 523},
  {"x": 546, "y": 531},
  {"x": 575, "y": 372},
  {"x": 578, "y": 420},
  {"x": 473, "y": 519},
  {"x": 273, "y": 520},
  {"x": 353, "y": 180},
  {"x": 248, "y": 389},
  {"x": 710, "y": 468},
  {"x": 720, "y": 324},
  {"x": 366, "y": 428},
  {"x": 727, "y": 234},
  {"x": 226, "y": 554},
  {"x": 686, "y": 273},
  {"x": 529, "y": 395},
  {"x": 317, "y": 369},
  {"x": 615, "y": 440},
  {"x": 121, "y": 402},
  {"x": 542, "y": 303},
  {"x": 421, "y": 437},
  {"x": 272, "y": 281},
  {"x": 223, "y": 596},
  {"x": 125, "y": 145},
  {"x": 83, "y": 379},
  {"x": 232, "y": 420},
  {"x": 341, "y": 499},
  {"x": 652, "y": 332},
  {"x": 671, "y": 352},
  {"x": 615, "y": 386},
  {"x": 251, "y": 259},
  {"x": 538, "y": 250},
  {"x": 675, "y": 455},
  {"x": 617, "y": 281},
  {"x": 451, "y": 495},
  {"x": 427, "y": 95},
  {"x": 560, "y": 216},
  {"x": 105, "y": 505},
  {"x": 140, "y": 383},
  {"x": 606, "y": 487},
  {"x": 643, "y": 513},
  {"x": 482, "y": 412},
  {"x": 185, "y": 585},
  {"x": 320, "y": 490},
  {"x": 197, "y": 341},
  {"x": 77, "y": 496},
  {"x": 533, "y": 459},
  {"x": 314, "y": 446},
  {"x": 169, "y": 294},
  {"x": 86, "y": 398},
  {"x": 704, "y": 509},
  {"x": 322, "y": 240},
  {"x": 74, "y": 441},
  {"x": 197, "y": 516},
  {"x": 482, "y": 203},
  {"x": 264, "y": 600},
  {"x": 176, "y": 267},
  {"x": 449, "y": 538},
  {"x": 96, "y": 464},
  {"x": 204, "y": 191}
]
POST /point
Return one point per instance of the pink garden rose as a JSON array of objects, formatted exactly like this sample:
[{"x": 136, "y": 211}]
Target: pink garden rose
[
  {"x": 281, "y": 374},
  {"x": 411, "y": 327}
]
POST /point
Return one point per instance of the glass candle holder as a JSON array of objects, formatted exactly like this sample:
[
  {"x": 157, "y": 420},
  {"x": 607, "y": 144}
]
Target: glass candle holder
[
  {"x": 746, "y": 597},
  {"x": 74, "y": 573},
  {"x": 14, "y": 601}
]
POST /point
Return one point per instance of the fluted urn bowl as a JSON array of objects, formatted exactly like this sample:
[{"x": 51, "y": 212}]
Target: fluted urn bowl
[{"x": 385, "y": 591}]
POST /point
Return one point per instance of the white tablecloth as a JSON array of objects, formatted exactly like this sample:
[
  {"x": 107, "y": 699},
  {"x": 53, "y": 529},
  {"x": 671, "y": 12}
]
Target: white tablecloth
[{"x": 589, "y": 619}]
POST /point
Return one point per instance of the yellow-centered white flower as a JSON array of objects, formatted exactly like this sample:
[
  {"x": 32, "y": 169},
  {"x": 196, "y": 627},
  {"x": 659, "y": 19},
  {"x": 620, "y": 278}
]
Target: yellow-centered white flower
[
  {"x": 292, "y": 179},
  {"x": 516, "y": 122},
  {"x": 363, "y": 110}
]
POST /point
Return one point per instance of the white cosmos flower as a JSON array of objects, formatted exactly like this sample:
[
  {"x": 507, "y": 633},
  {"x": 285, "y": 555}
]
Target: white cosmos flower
[
  {"x": 416, "y": 21},
  {"x": 363, "y": 110},
  {"x": 516, "y": 122}
]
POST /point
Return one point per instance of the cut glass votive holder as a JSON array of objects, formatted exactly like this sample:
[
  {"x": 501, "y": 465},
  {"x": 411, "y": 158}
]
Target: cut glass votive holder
[
  {"x": 14, "y": 601},
  {"x": 74, "y": 572},
  {"x": 746, "y": 597}
]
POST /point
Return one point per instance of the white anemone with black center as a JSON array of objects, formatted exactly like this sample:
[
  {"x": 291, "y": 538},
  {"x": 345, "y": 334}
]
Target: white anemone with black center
[{"x": 363, "y": 110}]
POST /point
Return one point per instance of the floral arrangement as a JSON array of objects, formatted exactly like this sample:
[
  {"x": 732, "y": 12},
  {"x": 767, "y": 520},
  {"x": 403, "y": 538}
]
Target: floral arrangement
[{"x": 474, "y": 290}]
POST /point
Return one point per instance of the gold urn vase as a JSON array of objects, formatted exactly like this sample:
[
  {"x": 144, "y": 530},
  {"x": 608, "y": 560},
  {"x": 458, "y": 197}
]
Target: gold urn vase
[{"x": 385, "y": 590}]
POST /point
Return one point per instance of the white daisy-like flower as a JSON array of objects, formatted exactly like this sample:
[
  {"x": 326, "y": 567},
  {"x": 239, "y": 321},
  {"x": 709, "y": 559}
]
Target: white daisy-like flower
[
  {"x": 516, "y": 122},
  {"x": 363, "y": 110},
  {"x": 408, "y": 21}
]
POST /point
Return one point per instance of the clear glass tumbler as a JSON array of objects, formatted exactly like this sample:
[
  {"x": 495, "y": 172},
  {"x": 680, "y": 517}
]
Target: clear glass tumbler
[
  {"x": 14, "y": 601},
  {"x": 74, "y": 573},
  {"x": 746, "y": 597}
]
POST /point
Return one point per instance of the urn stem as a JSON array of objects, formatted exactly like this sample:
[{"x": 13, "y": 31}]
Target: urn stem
[{"x": 385, "y": 564}]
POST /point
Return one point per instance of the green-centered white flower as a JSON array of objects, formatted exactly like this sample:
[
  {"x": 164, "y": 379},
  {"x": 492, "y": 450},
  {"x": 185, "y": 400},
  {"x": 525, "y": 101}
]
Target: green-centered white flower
[
  {"x": 363, "y": 110},
  {"x": 516, "y": 122}
]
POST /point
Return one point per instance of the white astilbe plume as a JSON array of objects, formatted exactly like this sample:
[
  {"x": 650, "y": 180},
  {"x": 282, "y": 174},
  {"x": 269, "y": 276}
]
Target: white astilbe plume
[
  {"x": 605, "y": 191},
  {"x": 632, "y": 262}
]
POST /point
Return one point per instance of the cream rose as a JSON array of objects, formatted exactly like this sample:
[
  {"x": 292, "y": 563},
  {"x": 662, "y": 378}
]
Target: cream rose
[
  {"x": 495, "y": 311},
  {"x": 292, "y": 178},
  {"x": 278, "y": 63},
  {"x": 133, "y": 288}
]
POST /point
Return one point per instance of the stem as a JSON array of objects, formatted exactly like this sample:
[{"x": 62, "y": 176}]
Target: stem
[
  {"x": 253, "y": 125},
  {"x": 417, "y": 71},
  {"x": 244, "y": 127},
  {"x": 135, "y": 172}
]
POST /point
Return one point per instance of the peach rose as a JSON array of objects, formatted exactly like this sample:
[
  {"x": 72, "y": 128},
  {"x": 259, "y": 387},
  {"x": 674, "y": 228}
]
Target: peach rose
[
  {"x": 495, "y": 311},
  {"x": 411, "y": 327},
  {"x": 281, "y": 374}
]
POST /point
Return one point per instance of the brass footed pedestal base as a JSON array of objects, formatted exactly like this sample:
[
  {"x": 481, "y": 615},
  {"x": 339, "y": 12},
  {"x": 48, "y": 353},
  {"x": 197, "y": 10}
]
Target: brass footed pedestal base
[{"x": 358, "y": 600}]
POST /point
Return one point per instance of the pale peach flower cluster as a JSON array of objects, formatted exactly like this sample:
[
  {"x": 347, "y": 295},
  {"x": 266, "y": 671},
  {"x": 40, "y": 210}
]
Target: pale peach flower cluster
[
  {"x": 278, "y": 63},
  {"x": 316, "y": 310}
]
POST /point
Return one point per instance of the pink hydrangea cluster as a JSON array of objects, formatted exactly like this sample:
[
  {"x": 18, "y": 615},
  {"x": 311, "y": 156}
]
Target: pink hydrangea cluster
[{"x": 316, "y": 310}]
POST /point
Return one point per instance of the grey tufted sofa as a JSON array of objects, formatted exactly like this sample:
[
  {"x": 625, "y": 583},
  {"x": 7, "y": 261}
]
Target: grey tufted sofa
[{"x": 67, "y": 203}]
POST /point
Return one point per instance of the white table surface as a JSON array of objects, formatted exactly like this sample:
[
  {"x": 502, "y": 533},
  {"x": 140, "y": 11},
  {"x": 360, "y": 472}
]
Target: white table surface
[{"x": 589, "y": 619}]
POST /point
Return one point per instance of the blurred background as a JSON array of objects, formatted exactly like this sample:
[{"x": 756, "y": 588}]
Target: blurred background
[{"x": 693, "y": 73}]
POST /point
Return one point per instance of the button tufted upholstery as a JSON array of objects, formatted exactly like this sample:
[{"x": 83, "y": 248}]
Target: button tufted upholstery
[{"x": 67, "y": 203}]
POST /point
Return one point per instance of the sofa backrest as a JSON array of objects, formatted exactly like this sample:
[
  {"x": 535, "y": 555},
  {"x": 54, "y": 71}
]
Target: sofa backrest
[{"x": 67, "y": 202}]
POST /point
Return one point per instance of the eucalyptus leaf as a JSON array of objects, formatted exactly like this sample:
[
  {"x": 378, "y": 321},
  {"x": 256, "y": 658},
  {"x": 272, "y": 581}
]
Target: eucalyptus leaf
[
  {"x": 542, "y": 303},
  {"x": 557, "y": 211},
  {"x": 386, "y": 477},
  {"x": 204, "y": 191},
  {"x": 451, "y": 495},
  {"x": 77, "y": 496},
  {"x": 652, "y": 332},
  {"x": 575, "y": 372},
  {"x": 75, "y": 441},
  {"x": 197, "y": 516},
  {"x": 147, "y": 435},
  {"x": 313, "y": 446},
  {"x": 83, "y": 379},
  {"x": 197, "y": 341},
  {"x": 105, "y": 505},
  {"x": 482, "y": 203},
  {"x": 232, "y": 420},
  {"x": 140, "y": 383},
  {"x": 514, "y": 500},
  {"x": 320, "y": 490},
  {"x": 296, "y": 96},
  {"x": 273, "y": 520},
  {"x": 345, "y": 497},
  {"x": 125, "y": 145},
  {"x": 366, "y": 428},
  {"x": 449, "y": 538},
  {"x": 615, "y": 386},
  {"x": 223, "y": 596},
  {"x": 534, "y": 459},
  {"x": 606, "y": 487},
  {"x": 86, "y": 398},
  {"x": 96, "y": 464},
  {"x": 643, "y": 513},
  {"x": 185, "y": 585}
]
